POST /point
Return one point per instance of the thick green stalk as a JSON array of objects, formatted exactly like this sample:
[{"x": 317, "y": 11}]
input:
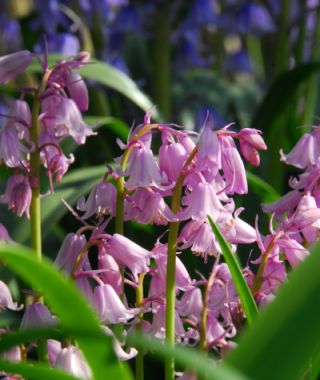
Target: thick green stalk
[
  {"x": 35, "y": 206},
  {"x": 282, "y": 47},
  {"x": 162, "y": 59},
  {"x": 171, "y": 269}
]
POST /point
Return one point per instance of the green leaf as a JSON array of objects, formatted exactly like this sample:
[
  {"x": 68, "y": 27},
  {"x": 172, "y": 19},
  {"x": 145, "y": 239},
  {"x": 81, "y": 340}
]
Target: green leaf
[
  {"x": 281, "y": 93},
  {"x": 74, "y": 185},
  {"x": 117, "y": 126},
  {"x": 106, "y": 75},
  {"x": 246, "y": 298},
  {"x": 186, "y": 357},
  {"x": 69, "y": 305},
  {"x": 34, "y": 371},
  {"x": 265, "y": 191},
  {"x": 281, "y": 343}
]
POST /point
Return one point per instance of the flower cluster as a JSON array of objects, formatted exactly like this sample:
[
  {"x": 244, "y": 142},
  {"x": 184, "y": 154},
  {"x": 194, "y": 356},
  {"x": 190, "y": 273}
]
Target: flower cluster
[{"x": 38, "y": 133}]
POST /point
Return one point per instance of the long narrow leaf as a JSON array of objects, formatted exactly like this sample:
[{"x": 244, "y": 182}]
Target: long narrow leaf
[
  {"x": 283, "y": 341},
  {"x": 265, "y": 191},
  {"x": 246, "y": 298},
  {"x": 186, "y": 357},
  {"x": 34, "y": 371},
  {"x": 70, "y": 307}
]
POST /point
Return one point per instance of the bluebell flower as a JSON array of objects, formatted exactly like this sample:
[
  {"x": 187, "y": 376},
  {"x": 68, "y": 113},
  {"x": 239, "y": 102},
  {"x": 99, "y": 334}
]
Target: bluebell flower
[
  {"x": 64, "y": 43},
  {"x": 254, "y": 18},
  {"x": 238, "y": 62},
  {"x": 10, "y": 33}
]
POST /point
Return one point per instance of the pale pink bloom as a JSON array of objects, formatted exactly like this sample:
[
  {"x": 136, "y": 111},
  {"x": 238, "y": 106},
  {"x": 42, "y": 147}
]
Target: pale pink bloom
[
  {"x": 110, "y": 273},
  {"x": 201, "y": 202},
  {"x": 71, "y": 360},
  {"x": 233, "y": 168},
  {"x": 274, "y": 275},
  {"x": 188, "y": 376},
  {"x": 287, "y": 203},
  {"x": 183, "y": 280},
  {"x": 82, "y": 282},
  {"x": 119, "y": 351},
  {"x": 250, "y": 143},
  {"x": 143, "y": 170},
  {"x": 6, "y": 300},
  {"x": 37, "y": 315},
  {"x": 236, "y": 230},
  {"x": 294, "y": 252},
  {"x": 209, "y": 147},
  {"x": 12, "y": 355},
  {"x": 101, "y": 200},
  {"x": 158, "y": 329},
  {"x": 171, "y": 159},
  {"x": 191, "y": 305},
  {"x": 13, "y": 64},
  {"x": 215, "y": 334},
  {"x": 63, "y": 118},
  {"x": 78, "y": 90},
  {"x": 69, "y": 251},
  {"x": 304, "y": 218},
  {"x": 109, "y": 306},
  {"x": 147, "y": 206},
  {"x": 305, "y": 152},
  {"x": 129, "y": 254},
  {"x": 54, "y": 348},
  {"x": 18, "y": 195},
  {"x": 199, "y": 236}
]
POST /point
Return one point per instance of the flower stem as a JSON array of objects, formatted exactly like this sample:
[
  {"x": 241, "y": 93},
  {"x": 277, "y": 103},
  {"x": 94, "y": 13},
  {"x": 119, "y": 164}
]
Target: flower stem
[
  {"x": 139, "y": 300},
  {"x": 171, "y": 269},
  {"x": 35, "y": 206}
]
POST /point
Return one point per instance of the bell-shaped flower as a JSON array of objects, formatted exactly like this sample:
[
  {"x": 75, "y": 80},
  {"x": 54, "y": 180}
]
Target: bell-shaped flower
[
  {"x": 171, "y": 159},
  {"x": 183, "y": 280},
  {"x": 69, "y": 251},
  {"x": 78, "y": 90},
  {"x": 6, "y": 300},
  {"x": 110, "y": 271},
  {"x": 109, "y": 306},
  {"x": 233, "y": 168},
  {"x": 287, "y": 203},
  {"x": 294, "y": 252},
  {"x": 236, "y": 230},
  {"x": 54, "y": 348},
  {"x": 305, "y": 152},
  {"x": 215, "y": 334},
  {"x": 71, "y": 360},
  {"x": 129, "y": 254},
  {"x": 37, "y": 315},
  {"x": 202, "y": 201},
  {"x": 209, "y": 147},
  {"x": 199, "y": 236},
  {"x": 147, "y": 206},
  {"x": 143, "y": 170},
  {"x": 18, "y": 195},
  {"x": 117, "y": 346},
  {"x": 4, "y": 234},
  {"x": 158, "y": 329},
  {"x": 101, "y": 200},
  {"x": 191, "y": 305},
  {"x": 274, "y": 275},
  {"x": 13, "y": 64}
]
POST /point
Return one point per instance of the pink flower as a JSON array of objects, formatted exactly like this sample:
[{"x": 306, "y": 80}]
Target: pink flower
[
  {"x": 146, "y": 206},
  {"x": 295, "y": 252},
  {"x": 202, "y": 201},
  {"x": 109, "y": 306},
  {"x": 171, "y": 159},
  {"x": 129, "y": 254},
  {"x": 18, "y": 194},
  {"x": 232, "y": 165},
  {"x": 4, "y": 234},
  {"x": 68, "y": 253},
  {"x": 209, "y": 147},
  {"x": 13, "y": 64},
  {"x": 6, "y": 298},
  {"x": 101, "y": 200},
  {"x": 305, "y": 152},
  {"x": 78, "y": 90},
  {"x": 72, "y": 361},
  {"x": 110, "y": 270},
  {"x": 250, "y": 143},
  {"x": 37, "y": 315},
  {"x": 143, "y": 170},
  {"x": 287, "y": 203}
]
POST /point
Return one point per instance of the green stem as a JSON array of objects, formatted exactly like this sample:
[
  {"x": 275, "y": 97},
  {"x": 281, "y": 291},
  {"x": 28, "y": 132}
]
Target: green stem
[
  {"x": 282, "y": 48},
  {"x": 162, "y": 59},
  {"x": 35, "y": 207},
  {"x": 139, "y": 303},
  {"x": 171, "y": 269}
]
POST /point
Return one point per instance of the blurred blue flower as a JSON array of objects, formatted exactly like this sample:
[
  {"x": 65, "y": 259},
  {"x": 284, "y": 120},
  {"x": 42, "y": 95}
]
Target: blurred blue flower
[
  {"x": 238, "y": 62},
  {"x": 254, "y": 18},
  {"x": 10, "y": 33},
  {"x": 63, "y": 43}
]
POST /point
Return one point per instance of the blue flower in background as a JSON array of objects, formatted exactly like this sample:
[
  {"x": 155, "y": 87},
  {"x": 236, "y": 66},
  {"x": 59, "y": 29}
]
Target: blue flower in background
[
  {"x": 63, "y": 43},
  {"x": 253, "y": 18},
  {"x": 10, "y": 34},
  {"x": 238, "y": 62}
]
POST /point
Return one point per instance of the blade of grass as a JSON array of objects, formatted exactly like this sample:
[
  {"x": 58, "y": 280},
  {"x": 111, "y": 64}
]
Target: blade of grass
[{"x": 246, "y": 298}]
